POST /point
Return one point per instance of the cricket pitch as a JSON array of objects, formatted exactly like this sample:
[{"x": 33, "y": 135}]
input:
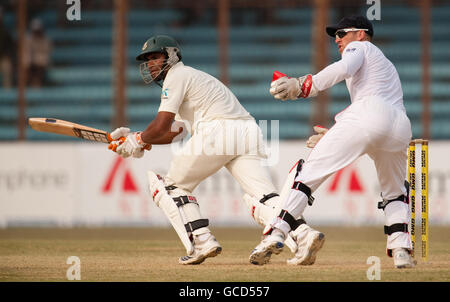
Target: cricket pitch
[{"x": 151, "y": 255}]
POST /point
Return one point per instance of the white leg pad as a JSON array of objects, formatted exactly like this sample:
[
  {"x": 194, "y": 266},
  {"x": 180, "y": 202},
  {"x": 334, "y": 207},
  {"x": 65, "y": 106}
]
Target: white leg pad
[
  {"x": 397, "y": 212},
  {"x": 190, "y": 211},
  {"x": 170, "y": 209},
  {"x": 262, "y": 213},
  {"x": 265, "y": 213}
]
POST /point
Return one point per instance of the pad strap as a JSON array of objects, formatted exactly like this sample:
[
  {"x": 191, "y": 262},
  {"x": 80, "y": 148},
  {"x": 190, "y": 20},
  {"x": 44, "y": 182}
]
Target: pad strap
[
  {"x": 267, "y": 197},
  {"x": 301, "y": 186},
  {"x": 192, "y": 225},
  {"x": 404, "y": 198},
  {"x": 293, "y": 223},
  {"x": 385, "y": 202},
  {"x": 397, "y": 227},
  {"x": 299, "y": 167},
  {"x": 196, "y": 224},
  {"x": 182, "y": 200},
  {"x": 305, "y": 189},
  {"x": 301, "y": 221}
]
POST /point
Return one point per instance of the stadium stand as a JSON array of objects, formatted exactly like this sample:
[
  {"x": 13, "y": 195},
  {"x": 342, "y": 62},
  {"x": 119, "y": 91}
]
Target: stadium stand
[{"x": 81, "y": 75}]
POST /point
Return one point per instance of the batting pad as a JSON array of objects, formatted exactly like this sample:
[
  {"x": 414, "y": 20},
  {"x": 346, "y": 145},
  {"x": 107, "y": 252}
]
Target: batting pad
[{"x": 170, "y": 209}]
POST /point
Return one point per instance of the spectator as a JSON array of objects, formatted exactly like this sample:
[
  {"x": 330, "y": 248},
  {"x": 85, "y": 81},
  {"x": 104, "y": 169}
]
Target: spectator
[
  {"x": 37, "y": 60},
  {"x": 6, "y": 54}
]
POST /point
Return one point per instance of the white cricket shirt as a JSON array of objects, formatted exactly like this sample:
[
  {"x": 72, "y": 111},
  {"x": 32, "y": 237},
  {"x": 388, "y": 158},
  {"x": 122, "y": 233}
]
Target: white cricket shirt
[
  {"x": 367, "y": 72},
  {"x": 195, "y": 96}
]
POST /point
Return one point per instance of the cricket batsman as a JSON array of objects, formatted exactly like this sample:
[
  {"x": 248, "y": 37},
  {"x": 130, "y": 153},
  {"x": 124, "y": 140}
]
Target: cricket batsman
[
  {"x": 375, "y": 123},
  {"x": 223, "y": 134}
]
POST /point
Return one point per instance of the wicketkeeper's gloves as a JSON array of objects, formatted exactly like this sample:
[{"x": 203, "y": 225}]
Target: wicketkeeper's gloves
[{"x": 287, "y": 88}]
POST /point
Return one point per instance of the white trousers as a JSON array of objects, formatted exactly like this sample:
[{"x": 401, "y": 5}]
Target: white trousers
[
  {"x": 236, "y": 145},
  {"x": 368, "y": 127}
]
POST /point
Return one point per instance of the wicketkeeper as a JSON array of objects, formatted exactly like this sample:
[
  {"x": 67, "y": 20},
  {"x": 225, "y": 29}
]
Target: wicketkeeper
[
  {"x": 375, "y": 123},
  {"x": 223, "y": 134}
]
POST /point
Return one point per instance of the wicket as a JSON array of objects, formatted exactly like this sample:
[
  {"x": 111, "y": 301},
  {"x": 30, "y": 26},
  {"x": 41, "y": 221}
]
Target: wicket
[{"x": 424, "y": 193}]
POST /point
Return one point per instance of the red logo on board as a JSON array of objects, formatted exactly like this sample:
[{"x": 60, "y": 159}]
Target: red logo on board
[
  {"x": 127, "y": 182},
  {"x": 121, "y": 184},
  {"x": 354, "y": 184}
]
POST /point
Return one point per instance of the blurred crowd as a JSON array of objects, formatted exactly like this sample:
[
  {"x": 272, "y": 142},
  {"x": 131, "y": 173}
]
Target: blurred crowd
[
  {"x": 7, "y": 51},
  {"x": 38, "y": 45},
  {"x": 37, "y": 54},
  {"x": 36, "y": 57}
]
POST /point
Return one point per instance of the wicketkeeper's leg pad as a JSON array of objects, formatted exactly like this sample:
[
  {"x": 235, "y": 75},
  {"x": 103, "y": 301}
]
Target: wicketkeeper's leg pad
[
  {"x": 396, "y": 212},
  {"x": 396, "y": 226}
]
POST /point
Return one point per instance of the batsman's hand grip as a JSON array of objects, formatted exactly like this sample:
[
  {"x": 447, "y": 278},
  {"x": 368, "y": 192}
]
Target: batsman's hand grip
[
  {"x": 108, "y": 136},
  {"x": 121, "y": 140},
  {"x": 113, "y": 146}
]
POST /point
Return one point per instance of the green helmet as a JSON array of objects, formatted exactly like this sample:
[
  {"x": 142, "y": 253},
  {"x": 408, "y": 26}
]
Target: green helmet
[{"x": 159, "y": 43}]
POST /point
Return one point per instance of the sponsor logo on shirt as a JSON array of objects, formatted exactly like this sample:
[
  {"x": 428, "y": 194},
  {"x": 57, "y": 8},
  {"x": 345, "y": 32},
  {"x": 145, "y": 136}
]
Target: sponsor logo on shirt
[
  {"x": 164, "y": 93},
  {"x": 350, "y": 50}
]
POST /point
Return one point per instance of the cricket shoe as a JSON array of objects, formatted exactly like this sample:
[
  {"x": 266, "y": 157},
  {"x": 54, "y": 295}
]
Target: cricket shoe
[
  {"x": 309, "y": 242},
  {"x": 271, "y": 244},
  {"x": 402, "y": 258},
  {"x": 203, "y": 249}
]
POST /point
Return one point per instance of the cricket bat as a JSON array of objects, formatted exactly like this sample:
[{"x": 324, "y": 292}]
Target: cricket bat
[
  {"x": 62, "y": 127},
  {"x": 52, "y": 125}
]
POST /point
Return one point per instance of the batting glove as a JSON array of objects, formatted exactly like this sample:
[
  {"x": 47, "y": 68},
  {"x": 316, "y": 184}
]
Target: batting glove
[
  {"x": 127, "y": 144},
  {"x": 132, "y": 146},
  {"x": 118, "y": 137},
  {"x": 314, "y": 139}
]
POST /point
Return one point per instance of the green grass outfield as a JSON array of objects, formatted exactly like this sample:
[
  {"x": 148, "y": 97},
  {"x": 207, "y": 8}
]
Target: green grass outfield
[{"x": 151, "y": 254}]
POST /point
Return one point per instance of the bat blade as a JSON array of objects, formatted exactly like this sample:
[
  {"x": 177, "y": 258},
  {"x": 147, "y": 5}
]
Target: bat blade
[{"x": 67, "y": 128}]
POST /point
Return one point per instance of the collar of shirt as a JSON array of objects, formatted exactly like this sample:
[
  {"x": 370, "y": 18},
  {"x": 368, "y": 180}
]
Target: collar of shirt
[{"x": 177, "y": 65}]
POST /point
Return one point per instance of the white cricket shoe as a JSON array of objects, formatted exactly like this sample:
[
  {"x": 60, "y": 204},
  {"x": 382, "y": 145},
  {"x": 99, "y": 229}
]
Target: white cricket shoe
[
  {"x": 271, "y": 244},
  {"x": 402, "y": 258},
  {"x": 309, "y": 242},
  {"x": 203, "y": 249}
]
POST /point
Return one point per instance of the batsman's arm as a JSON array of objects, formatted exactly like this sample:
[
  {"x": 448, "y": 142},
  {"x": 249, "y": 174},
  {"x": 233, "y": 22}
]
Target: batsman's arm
[{"x": 160, "y": 130}]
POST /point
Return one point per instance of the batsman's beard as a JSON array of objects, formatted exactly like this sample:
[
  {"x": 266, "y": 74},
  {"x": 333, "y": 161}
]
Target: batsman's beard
[{"x": 146, "y": 73}]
